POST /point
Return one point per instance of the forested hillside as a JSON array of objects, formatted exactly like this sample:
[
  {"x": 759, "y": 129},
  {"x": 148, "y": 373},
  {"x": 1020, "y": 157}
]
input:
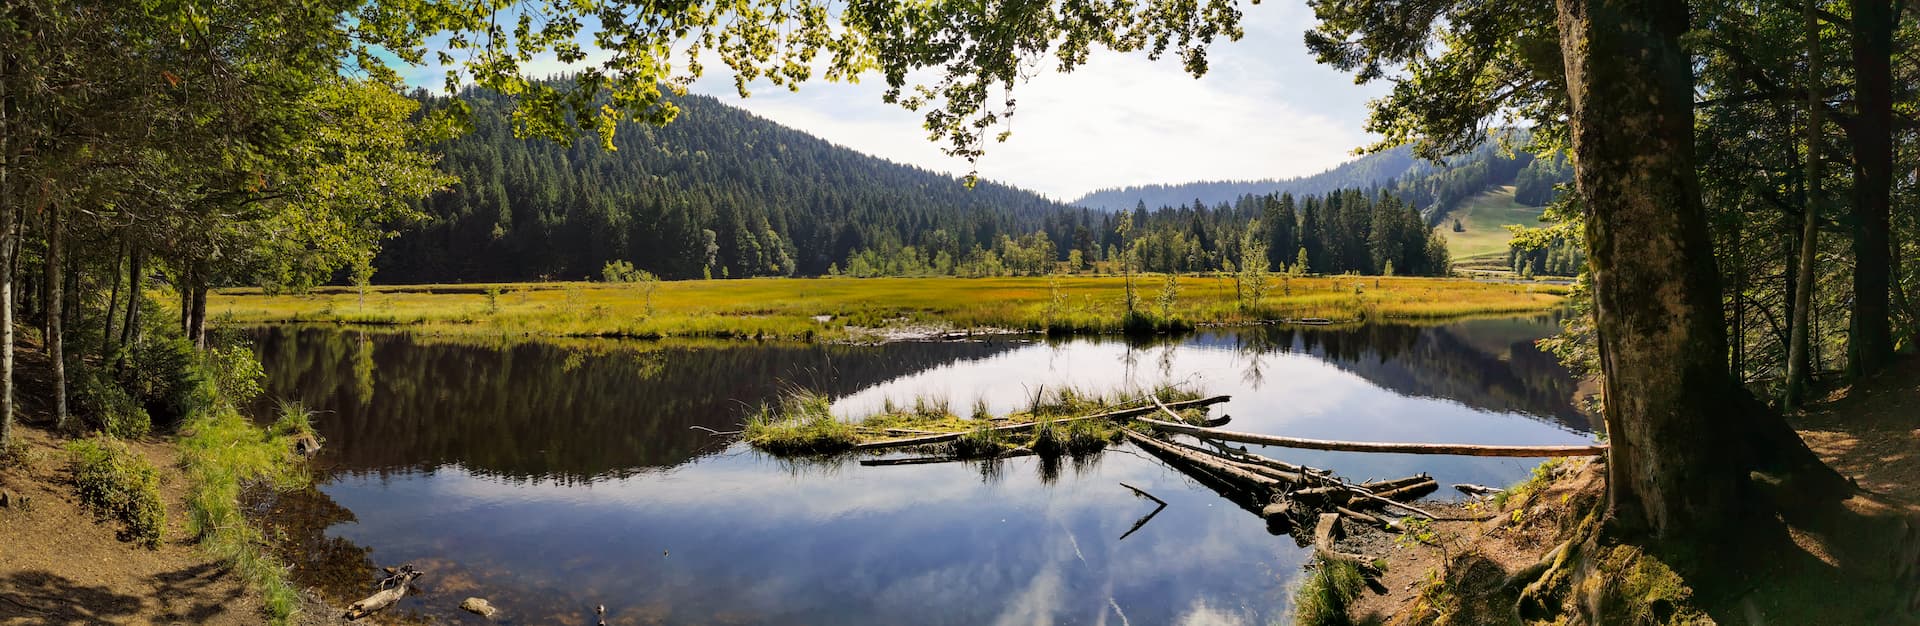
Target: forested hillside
[
  {"x": 719, "y": 190},
  {"x": 721, "y": 193}
]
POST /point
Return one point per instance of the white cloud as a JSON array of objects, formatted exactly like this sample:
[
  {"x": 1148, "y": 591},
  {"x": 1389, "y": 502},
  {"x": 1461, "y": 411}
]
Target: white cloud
[{"x": 1264, "y": 110}]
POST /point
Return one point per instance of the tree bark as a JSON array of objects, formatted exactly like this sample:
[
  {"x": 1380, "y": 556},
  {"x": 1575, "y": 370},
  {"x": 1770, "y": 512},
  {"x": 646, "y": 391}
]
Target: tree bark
[
  {"x": 9, "y": 242},
  {"x": 113, "y": 306},
  {"x": 56, "y": 334},
  {"x": 1870, "y": 336},
  {"x": 183, "y": 287},
  {"x": 1798, "y": 374},
  {"x": 1683, "y": 434},
  {"x": 197, "y": 326},
  {"x": 136, "y": 294}
]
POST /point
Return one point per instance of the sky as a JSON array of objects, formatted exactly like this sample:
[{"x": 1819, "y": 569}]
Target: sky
[{"x": 1265, "y": 109}]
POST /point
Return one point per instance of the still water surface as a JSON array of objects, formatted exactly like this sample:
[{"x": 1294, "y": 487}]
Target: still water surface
[{"x": 550, "y": 478}]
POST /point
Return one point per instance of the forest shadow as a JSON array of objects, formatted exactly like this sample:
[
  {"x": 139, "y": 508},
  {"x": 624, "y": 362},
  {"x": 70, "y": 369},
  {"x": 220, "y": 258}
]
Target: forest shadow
[
  {"x": 178, "y": 592},
  {"x": 1826, "y": 560},
  {"x": 43, "y": 597}
]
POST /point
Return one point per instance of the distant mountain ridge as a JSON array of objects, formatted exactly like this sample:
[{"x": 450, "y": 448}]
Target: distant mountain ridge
[
  {"x": 1369, "y": 171},
  {"x": 1435, "y": 188}
]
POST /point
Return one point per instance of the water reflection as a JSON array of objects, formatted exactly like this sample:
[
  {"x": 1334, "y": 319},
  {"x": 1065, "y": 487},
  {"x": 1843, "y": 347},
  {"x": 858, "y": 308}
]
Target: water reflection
[
  {"x": 550, "y": 479},
  {"x": 394, "y": 402}
]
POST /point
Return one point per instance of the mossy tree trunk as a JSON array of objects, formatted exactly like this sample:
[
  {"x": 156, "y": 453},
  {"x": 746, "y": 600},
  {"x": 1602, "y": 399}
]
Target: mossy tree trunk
[{"x": 1684, "y": 435}]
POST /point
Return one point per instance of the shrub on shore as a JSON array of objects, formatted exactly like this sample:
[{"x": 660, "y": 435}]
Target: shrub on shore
[{"x": 117, "y": 484}]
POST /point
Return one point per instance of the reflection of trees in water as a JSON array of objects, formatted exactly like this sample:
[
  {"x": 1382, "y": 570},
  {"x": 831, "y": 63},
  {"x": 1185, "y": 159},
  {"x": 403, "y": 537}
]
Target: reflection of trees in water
[
  {"x": 533, "y": 410},
  {"x": 296, "y": 524},
  {"x": 1447, "y": 361}
]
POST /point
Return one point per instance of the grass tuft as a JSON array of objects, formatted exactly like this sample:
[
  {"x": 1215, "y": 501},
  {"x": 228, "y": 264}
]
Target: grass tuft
[
  {"x": 981, "y": 442},
  {"x": 801, "y": 424},
  {"x": 1327, "y": 592}
]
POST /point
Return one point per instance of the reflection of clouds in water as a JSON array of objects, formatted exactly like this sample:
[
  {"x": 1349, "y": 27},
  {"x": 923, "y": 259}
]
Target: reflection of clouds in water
[
  {"x": 1201, "y": 613},
  {"x": 1006, "y": 380},
  {"x": 758, "y": 540}
]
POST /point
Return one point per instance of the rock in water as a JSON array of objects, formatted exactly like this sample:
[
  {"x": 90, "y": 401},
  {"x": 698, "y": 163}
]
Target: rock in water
[{"x": 478, "y": 606}]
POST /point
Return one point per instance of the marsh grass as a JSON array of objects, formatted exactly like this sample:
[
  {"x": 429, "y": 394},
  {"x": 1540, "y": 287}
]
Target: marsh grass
[
  {"x": 1326, "y": 593},
  {"x": 979, "y": 442},
  {"x": 222, "y": 451},
  {"x": 801, "y": 423},
  {"x": 786, "y": 308}
]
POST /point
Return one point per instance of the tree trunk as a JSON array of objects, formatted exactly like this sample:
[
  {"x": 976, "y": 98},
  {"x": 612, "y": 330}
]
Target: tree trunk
[
  {"x": 113, "y": 307},
  {"x": 1798, "y": 375},
  {"x": 9, "y": 239},
  {"x": 55, "y": 332},
  {"x": 197, "y": 326},
  {"x": 1870, "y": 336},
  {"x": 1684, "y": 435},
  {"x": 136, "y": 294},
  {"x": 183, "y": 287}
]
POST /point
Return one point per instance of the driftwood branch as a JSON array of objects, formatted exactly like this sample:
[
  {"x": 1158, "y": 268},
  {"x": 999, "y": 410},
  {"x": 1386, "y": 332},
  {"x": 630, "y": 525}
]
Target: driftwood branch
[
  {"x": 394, "y": 587},
  {"x": 1367, "y": 446},
  {"x": 1146, "y": 518}
]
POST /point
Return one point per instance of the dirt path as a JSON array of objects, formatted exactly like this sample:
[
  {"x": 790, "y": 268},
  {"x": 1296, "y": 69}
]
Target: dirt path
[
  {"x": 1871, "y": 431},
  {"x": 57, "y": 566}
]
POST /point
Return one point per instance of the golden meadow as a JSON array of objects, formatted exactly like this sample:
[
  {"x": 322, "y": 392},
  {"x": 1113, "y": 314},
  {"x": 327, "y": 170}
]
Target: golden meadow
[{"x": 850, "y": 308}]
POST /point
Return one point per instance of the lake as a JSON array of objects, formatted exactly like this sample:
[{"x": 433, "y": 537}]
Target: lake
[{"x": 549, "y": 477}]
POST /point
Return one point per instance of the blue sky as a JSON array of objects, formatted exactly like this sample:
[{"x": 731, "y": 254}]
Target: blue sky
[{"x": 1264, "y": 110}]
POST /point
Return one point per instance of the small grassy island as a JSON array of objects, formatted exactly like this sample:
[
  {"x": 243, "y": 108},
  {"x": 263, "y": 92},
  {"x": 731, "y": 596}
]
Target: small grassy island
[
  {"x": 844, "y": 308},
  {"x": 1067, "y": 421}
]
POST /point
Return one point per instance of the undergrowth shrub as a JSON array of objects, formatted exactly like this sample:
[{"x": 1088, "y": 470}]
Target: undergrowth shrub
[
  {"x": 112, "y": 410},
  {"x": 117, "y": 484},
  {"x": 165, "y": 373}
]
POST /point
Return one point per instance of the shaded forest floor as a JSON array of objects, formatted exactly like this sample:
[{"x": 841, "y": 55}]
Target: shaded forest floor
[
  {"x": 59, "y": 566},
  {"x": 1852, "y": 562}
]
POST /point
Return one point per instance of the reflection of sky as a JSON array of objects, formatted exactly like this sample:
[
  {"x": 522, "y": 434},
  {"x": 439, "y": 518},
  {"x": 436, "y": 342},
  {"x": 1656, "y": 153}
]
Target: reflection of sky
[
  {"x": 739, "y": 537},
  {"x": 1293, "y": 394}
]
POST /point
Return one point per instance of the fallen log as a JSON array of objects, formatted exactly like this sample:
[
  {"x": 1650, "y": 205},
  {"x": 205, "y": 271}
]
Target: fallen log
[
  {"x": 1120, "y": 414},
  {"x": 1325, "y": 533},
  {"x": 1257, "y": 468},
  {"x": 386, "y": 597},
  {"x": 1476, "y": 490},
  {"x": 1410, "y": 492},
  {"x": 1378, "y": 486},
  {"x": 1242, "y": 455},
  {"x": 1207, "y": 462},
  {"x": 1362, "y": 517},
  {"x": 929, "y": 460},
  {"x": 1368, "y": 446},
  {"x": 1398, "y": 504}
]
